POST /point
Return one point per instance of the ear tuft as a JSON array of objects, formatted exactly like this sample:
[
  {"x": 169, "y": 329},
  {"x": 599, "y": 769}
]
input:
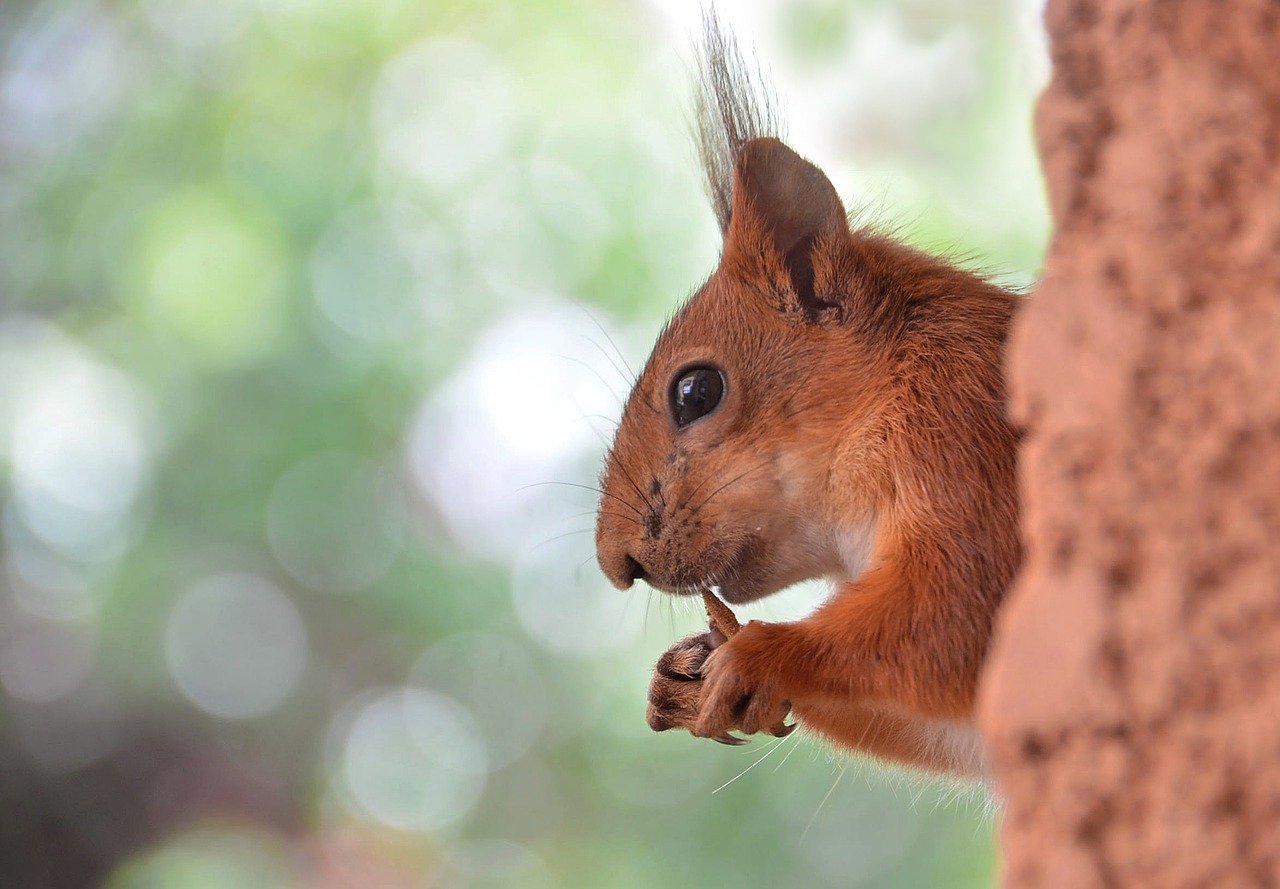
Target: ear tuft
[{"x": 783, "y": 204}]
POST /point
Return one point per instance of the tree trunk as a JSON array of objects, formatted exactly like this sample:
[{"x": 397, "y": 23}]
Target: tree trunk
[{"x": 1132, "y": 697}]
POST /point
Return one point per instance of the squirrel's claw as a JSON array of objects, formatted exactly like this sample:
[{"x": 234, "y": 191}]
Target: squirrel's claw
[{"x": 732, "y": 740}]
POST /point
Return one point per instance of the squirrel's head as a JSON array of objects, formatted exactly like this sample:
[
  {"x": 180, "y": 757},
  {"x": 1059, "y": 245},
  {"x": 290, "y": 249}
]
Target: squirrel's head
[{"x": 721, "y": 469}]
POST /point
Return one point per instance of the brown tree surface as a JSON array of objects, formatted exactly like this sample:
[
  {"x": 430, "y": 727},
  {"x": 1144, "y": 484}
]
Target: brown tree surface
[{"x": 1133, "y": 695}]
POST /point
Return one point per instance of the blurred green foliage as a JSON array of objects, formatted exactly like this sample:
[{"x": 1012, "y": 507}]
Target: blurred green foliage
[{"x": 301, "y": 303}]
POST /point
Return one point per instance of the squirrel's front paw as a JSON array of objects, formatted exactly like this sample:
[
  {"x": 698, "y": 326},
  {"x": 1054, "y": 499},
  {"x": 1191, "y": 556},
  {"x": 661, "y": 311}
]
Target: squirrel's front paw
[
  {"x": 675, "y": 694},
  {"x": 737, "y": 694}
]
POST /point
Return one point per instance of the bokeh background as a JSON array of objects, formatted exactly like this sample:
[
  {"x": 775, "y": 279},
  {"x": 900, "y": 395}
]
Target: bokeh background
[{"x": 314, "y": 318}]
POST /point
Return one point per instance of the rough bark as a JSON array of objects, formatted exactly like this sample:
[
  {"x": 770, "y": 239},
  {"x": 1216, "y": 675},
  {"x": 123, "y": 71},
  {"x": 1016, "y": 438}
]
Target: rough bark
[{"x": 1132, "y": 697}]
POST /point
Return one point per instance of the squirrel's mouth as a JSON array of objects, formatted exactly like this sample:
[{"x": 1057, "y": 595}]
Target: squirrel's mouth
[
  {"x": 740, "y": 567},
  {"x": 758, "y": 570},
  {"x": 719, "y": 568},
  {"x": 741, "y": 577}
]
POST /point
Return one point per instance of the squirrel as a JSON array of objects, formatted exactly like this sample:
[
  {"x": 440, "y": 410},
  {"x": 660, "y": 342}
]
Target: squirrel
[{"x": 829, "y": 404}]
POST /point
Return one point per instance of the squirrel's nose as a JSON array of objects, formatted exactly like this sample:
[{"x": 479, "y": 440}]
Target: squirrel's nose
[
  {"x": 624, "y": 571},
  {"x": 635, "y": 571}
]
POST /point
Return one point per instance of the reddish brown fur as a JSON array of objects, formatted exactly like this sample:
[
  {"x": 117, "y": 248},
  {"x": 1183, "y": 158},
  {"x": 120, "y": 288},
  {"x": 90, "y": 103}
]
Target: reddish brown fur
[{"x": 865, "y": 406}]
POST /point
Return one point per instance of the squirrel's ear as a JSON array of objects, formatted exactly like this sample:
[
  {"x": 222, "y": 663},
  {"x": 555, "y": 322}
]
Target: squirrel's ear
[{"x": 781, "y": 205}]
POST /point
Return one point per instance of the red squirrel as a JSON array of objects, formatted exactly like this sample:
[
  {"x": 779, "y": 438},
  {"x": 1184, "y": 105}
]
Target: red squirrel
[{"x": 829, "y": 404}]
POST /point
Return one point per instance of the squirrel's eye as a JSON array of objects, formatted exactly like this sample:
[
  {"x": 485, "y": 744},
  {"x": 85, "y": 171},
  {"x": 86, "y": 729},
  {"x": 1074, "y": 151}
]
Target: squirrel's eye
[{"x": 696, "y": 393}]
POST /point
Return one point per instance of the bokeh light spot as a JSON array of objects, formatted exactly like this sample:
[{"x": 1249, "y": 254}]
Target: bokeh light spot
[
  {"x": 442, "y": 111},
  {"x": 195, "y": 23},
  {"x": 75, "y": 444},
  {"x": 569, "y": 607},
  {"x": 359, "y": 279},
  {"x": 415, "y": 760},
  {"x": 491, "y": 863},
  {"x": 500, "y": 683},
  {"x": 223, "y": 857},
  {"x": 526, "y": 411},
  {"x": 62, "y": 75},
  {"x": 236, "y": 645},
  {"x": 333, "y": 521},
  {"x": 44, "y": 584},
  {"x": 509, "y": 248},
  {"x": 210, "y": 275}
]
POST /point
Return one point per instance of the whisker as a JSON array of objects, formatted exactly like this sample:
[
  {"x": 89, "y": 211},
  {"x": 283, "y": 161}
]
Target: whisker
[
  {"x": 622, "y": 517},
  {"x": 824, "y": 802},
  {"x": 634, "y": 486},
  {"x": 648, "y": 609},
  {"x": 593, "y": 512},
  {"x": 596, "y": 373},
  {"x": 599, "y": 491},
  {"x": 696, "y": 489},
  {"x": 612, "y": 420},
  {"x": 604, "y": 439},
  {"x": 731, "y": 481},
  {"x": 563, "y": 535},
  {"x": 793, "y": 749},
  {"x": 765, "y": 756},
  {"x": 630, "y": 375}
]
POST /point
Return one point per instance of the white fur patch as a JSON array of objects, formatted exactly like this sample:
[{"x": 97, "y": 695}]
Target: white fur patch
[
  {"x": 957, "y": 744},
  {"x": 854, "y": 546}
]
